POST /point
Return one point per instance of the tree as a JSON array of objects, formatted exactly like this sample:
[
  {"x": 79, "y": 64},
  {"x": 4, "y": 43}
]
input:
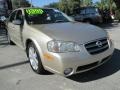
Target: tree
[
  {"x": 117, "y": 2},
  {"x": 111, "y": 6},
  {"x": 73, "y": 5},
  {"x": 68, "y": 6},
  {"x": 86, "y": 2},
  {"x": 53, "y": 5},
  {"x": 20, "y": 3},
  {"x": 106, "y": 4},
  {"x": 103, "y": 4},
  {"x": 63, "y": 5}
]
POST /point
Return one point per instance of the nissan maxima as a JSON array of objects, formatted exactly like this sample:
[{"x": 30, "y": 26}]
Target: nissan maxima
[{"x": 56, "y": 43}]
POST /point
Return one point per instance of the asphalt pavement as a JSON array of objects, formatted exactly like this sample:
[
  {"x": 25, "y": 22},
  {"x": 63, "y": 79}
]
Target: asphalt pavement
[{"x": 16, "y": 73}]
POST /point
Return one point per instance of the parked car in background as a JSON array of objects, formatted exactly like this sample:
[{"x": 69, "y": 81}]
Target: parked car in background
[
  {"x": 56, "y": 43},
  {"x": 3, "y": 13},
  {"x": 5, "y": 8},
  {"x": 107, "y": 16},
  {"x": 89, "y": 15}
]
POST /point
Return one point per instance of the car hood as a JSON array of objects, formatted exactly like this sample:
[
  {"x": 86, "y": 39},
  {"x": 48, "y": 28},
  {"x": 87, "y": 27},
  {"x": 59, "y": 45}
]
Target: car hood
[{"x": 72, "y": 31}]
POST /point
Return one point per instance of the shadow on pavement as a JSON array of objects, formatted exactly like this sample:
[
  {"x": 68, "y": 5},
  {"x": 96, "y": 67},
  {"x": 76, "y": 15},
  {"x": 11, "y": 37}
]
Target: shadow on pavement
[
  {"x": 105, "y": 70},
  {"x": 13, "y": 65},
  {"x": 108, "y": 25}
]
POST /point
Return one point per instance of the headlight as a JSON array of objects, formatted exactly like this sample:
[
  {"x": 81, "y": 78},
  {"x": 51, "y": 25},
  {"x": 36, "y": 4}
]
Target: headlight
[{"x": 62, "y": 46}]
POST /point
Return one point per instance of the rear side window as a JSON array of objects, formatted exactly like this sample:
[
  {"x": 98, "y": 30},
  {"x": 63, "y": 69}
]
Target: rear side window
[
  {"x": 91, "y": 10},
  {"x": 19, "y": 15},
  {"x": 82, "y": 11}
]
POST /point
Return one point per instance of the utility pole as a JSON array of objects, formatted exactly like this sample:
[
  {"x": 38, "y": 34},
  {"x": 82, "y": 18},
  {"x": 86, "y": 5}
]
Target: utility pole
[
  {"x": 19, "y": 3},
  {"x": 31, "y": 3}
]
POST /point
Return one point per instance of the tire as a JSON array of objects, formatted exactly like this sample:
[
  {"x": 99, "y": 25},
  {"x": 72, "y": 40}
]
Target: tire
[
  {"x": 34, "y": 58},
  {"x": 88, "y": 21}
]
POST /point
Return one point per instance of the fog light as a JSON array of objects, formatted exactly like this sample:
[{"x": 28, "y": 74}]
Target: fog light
[{"x": 68, "y": 71}]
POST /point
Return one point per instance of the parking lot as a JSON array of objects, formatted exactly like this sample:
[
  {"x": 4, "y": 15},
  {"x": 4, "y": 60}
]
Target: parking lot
[{"x": 16, "y": 73}]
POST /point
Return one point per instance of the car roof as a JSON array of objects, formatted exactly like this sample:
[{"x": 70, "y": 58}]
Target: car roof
[
  {"x": 88, "y": 7},
  {"x": 33, "y": 7}
]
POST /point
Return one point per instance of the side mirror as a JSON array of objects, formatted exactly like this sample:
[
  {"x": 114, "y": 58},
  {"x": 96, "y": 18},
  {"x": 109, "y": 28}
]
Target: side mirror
[
  {"x": 17, "y": 22},
  {"x": 3, "y": 18}
]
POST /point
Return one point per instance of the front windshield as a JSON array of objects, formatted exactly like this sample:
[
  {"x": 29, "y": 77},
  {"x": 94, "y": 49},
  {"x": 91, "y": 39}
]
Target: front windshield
[{"x": 44, "y": 16}]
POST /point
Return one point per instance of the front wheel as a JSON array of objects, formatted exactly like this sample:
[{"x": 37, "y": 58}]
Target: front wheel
[{"x": 34, "y": 58}]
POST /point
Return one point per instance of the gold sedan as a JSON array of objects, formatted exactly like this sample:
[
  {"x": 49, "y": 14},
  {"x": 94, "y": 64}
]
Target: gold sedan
[{"x": 56, "y": 43}]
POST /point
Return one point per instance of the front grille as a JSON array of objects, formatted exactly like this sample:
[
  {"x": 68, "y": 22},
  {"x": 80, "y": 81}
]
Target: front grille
[
  {"x": 97, "y": 46},
  {"x": 85, "y": 67},
  {"x": 89, "y": 66}
]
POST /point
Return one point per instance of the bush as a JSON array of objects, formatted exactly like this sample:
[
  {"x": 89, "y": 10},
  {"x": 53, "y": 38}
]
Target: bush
[{"x": 117, "y": 14}]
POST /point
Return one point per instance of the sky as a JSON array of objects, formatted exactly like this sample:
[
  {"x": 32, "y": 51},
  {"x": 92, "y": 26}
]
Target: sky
[{"x": 41, "y": 3}]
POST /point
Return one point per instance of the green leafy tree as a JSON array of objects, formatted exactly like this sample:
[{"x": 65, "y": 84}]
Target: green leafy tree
[
  {"x": 86, "y": 2},
  {"x": 53, "y": 5},
  {"x": 20, "y": 3},
  {"x": 68, "y": 6},
  {"x": 73, "y": 5},
  {"x": 117, "y": 13},
  {"x": 103, "y": 4},
  {"x": 117, "y": 2},
  {"x": 63, "y": 5},
  {"x": 106, "y": 4},
  {"x": 112, "y": 6}
]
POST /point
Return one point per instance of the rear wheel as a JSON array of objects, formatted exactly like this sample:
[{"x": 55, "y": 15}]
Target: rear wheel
[
  {"x": 88, "y": 21},
  {"x": 34, "y": 58}
]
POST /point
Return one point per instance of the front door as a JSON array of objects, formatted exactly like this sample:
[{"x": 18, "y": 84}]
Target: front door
[{"x": 19, "y": 29}]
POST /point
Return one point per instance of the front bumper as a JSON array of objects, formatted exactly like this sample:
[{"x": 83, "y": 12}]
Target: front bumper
[{"x": 79, "y": 61}]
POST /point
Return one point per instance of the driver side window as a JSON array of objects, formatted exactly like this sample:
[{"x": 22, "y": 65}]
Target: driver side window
[
  {"x": 19, "y": 15},
  {"x": 12, "y": 17}
]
